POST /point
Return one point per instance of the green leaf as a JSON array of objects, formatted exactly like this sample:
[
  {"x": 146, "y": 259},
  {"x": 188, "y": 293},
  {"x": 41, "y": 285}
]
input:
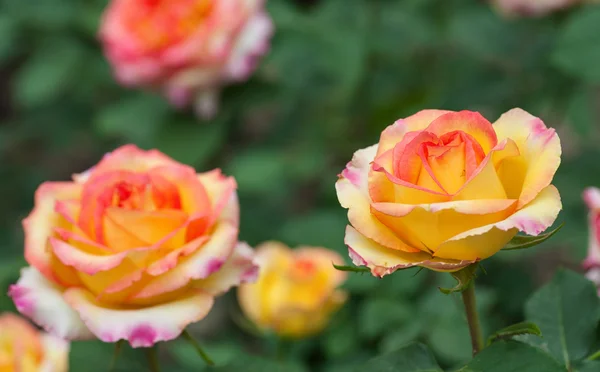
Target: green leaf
[
  {"x": 463, "y": 278},
  {"x": 567, "y": 311},
  {"x": 415, "y": 357},
  {"x": 578, "y": 47},
  {"x": 512, "y": 356},
  {"x": 515, "y": 330},
  {"x": 588, "y": 366},
  {"x": 525, "y": 241},
  {"x": 353, "y": 269}
]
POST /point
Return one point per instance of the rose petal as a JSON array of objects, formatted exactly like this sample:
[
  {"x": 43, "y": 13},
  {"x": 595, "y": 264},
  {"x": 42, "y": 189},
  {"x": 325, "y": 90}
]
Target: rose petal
[
  {"x": 526, "y": 175},
  {"x": 353, "y": 194},
  {"x": 483, "y": 242},
  {"x": 141, "y": 327},
  {"x": 40, "y": 223},
  {"x": 395, "y": 133},
  {"x": 383, "y": 261},
  {"x": 56, "y": 354},
  {"x": 132, "y": 158},
  {"x": 591, "y": 196},
  {"x": 43, "y": 302},
  {"x": 204, "y": 262},
  {"x": 239, "y": 268},
  {"x": 471, "y": 123}
]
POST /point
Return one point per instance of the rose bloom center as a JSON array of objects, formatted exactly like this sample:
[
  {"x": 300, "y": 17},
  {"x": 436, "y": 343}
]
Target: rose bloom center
[{"x": 158, "y": 23}]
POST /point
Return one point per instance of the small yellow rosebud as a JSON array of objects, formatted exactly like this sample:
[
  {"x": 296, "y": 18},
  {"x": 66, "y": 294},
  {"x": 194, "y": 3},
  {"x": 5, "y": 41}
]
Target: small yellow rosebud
[{"x": 296, "y": 291}]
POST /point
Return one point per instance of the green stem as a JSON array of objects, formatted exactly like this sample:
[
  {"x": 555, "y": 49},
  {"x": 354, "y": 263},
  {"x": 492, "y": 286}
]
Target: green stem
[
  {"x": 468, "y": 296},
  {"x": 116, "y": 353},
  {"x": 196, "y": 346},
  {"x": 594, "y": 356},
  {"x": 152, "y": 356}
]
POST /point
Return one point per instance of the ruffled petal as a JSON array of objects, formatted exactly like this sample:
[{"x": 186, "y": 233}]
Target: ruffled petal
[
  {"x": 141, "y": 327},
  {"x": 526, "y": 175},
  {"x": 483, "y": 242},
  {"x": 43, "y": 302},
  {"x": 239, "y": 268}
]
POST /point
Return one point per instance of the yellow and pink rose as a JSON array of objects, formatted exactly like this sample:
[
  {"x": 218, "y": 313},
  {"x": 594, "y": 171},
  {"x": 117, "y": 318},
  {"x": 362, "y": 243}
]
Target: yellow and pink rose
[
  {"x": 136, "y": 248},
  {"x": 446, "y": 189},
  {"x": 297, "y": 291}
]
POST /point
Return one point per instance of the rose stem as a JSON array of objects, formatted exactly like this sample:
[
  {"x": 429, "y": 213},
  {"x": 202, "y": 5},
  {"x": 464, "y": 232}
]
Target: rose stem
[
  {"x": 152, "y": 355},
  {"x": 196, "y": 346},
  {"x": 468, "y": 296}
]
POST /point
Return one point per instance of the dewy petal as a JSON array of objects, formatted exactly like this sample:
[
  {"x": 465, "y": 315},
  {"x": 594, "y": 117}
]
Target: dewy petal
[
  {"x": 483, "y": 242},
  {"x": 540, "y": 150},
  {"x": 353, "y": 194},
  {"x": 43, "y": 302},
  {"x": 141, "y": 327},
  {"x": 591, "y": 196},
  {"x": 239, "y": 268},
  {"x": 469, "y": 122},
  {"x": 43, "y": 219},
  {"x": 395, "y": 133}
]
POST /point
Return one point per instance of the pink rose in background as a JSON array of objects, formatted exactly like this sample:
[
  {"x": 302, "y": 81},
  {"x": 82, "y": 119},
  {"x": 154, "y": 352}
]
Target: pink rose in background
[
  {"x": 187, "y": 48},
  {"x": 531, "y": 8},
  {"x": 591, "y": 196}
]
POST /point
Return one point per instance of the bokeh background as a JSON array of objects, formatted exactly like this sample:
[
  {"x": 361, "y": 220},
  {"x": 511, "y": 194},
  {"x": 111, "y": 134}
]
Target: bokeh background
[{"x": 339, "y": 71}]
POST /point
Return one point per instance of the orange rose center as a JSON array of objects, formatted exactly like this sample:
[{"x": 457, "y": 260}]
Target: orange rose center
[
  {"x": 302, "y": 270},
  {"x": 442, "y": 164},
  {"x": 158, "y": 23}
]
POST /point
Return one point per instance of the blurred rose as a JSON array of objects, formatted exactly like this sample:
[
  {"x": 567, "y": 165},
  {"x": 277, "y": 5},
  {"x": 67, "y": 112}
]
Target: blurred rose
[
  {"x": 591, "y": 196},
  {"x": 296, "y": 292},
  {"x": 445, "y": 189},
  {"x": 188, "y": 48},
  {"x": 24, "y": 349},
  {"x": 136, "y": 248},
  {"x": 531, "y": 8}
]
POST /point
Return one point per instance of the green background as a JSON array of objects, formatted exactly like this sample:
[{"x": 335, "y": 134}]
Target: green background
[{"x": 338, "y": 73}]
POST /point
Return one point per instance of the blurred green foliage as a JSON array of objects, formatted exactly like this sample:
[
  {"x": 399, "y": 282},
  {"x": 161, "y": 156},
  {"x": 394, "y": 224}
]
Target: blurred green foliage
[{"x": 339, "y": 71}]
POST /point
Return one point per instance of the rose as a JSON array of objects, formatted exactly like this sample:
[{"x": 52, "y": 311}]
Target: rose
[
  {"x": 532, "y": 8},
  {"x": 296, "y": 291},
  {"x": 189, "y": 48},
  {"x": 24, "y": 348},
  {"x": 445, "y": 189},
  {"x": 136, "y": 248},
  {"x": 591, "y": 196}
]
